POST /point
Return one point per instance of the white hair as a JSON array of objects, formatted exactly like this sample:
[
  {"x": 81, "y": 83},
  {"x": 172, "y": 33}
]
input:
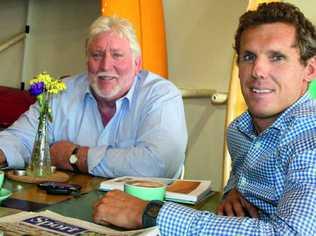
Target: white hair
[{"x": 118, "y": 25}]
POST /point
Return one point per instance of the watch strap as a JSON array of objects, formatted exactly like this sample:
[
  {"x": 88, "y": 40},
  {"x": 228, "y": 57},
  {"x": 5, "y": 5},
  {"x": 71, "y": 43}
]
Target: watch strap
[{"x": 151, "y": 213}]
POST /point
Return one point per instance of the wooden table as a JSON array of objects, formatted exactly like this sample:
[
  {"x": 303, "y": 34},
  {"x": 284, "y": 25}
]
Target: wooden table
[
  {"x": 81, "y": 207},
  {"x": 30, "y": 192}
]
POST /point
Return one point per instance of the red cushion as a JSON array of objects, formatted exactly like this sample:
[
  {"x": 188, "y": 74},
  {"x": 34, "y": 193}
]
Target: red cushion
[{"x": 13, "y": 102}]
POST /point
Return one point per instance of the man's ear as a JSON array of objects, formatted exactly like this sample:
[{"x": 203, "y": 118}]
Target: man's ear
[
  {"x": 138, "y": 63},
  {"x": 311, "y": 69}
]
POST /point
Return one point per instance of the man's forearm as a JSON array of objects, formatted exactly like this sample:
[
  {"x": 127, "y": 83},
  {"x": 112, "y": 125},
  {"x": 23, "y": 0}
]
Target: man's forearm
[{"x": 83, "y": 156}]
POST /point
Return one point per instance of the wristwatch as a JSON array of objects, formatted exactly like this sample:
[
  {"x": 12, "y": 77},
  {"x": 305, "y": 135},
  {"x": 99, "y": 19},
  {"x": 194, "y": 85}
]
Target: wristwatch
[
  {"x": 73, "y": 159},
  {"x": 151, "y": 213}
]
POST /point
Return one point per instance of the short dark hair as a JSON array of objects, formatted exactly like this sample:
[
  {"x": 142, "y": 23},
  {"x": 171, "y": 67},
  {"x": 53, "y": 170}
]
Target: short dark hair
[{"x": 281, "y": 12}]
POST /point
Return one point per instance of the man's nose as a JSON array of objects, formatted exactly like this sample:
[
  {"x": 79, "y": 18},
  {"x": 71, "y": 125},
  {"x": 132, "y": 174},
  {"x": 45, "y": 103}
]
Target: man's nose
[
  {"x": 260, "y": 69},
  {"x": 106, "y": 63}
]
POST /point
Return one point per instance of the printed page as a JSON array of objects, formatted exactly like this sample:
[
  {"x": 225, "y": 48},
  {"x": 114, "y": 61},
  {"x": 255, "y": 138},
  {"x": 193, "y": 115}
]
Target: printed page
[{"x": 50, "y": 223}]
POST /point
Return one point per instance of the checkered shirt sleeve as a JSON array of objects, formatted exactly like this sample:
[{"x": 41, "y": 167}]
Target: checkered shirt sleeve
[{"x": 275, "y": 171}]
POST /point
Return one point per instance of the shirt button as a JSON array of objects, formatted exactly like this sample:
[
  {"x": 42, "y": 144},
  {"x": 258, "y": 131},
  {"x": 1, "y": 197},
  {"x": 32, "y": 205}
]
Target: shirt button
[
  {"x": 242, "y": 182},
  {"x": 257, "y": 145}
]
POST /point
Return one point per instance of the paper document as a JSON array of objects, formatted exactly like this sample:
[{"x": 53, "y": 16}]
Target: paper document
[{"x": 50, "y": 223}]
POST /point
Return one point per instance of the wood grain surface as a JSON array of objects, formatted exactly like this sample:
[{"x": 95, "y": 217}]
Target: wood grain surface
[
  {"x": 30, "y": 191},
  {"x": 58, "y": 176}
]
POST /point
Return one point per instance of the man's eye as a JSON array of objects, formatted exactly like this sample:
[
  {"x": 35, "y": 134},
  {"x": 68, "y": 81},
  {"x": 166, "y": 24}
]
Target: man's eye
[
  {"x": 96, "y": 56},
  {"x": 117, "y": 55},
  {"x": 248, "y": 57},
  {"x": 277, "y": 57}
]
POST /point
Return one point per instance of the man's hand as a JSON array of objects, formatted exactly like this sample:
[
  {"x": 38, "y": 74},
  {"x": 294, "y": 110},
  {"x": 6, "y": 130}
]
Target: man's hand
[
  {"x": 60, "y": 153},
  {"x": 2, "y": 157},
  {"x": 120, "y": 209},
  {"x": 236, "y": 205}
]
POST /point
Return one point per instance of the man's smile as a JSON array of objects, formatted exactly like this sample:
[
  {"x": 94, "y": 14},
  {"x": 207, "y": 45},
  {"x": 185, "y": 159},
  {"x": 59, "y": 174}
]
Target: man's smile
[{"x": 261, "y": 90}]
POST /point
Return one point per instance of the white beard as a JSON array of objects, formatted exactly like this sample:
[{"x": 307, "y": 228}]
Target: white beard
[{"x": 109, "y": 95}]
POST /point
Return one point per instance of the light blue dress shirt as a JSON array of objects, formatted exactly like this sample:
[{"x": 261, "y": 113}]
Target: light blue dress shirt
[
  {"x": 275, "y": 171},
  {"x": 147, "y": 135}
]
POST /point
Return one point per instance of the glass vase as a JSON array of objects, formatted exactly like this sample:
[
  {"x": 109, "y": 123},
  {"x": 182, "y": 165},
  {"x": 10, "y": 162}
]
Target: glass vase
[{"x": 40, "y": 163}]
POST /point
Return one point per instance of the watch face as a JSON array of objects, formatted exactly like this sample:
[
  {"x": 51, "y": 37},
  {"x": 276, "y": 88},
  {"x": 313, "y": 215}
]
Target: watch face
[
  {"x": 73, "y": 159},
  {"x": 153, "y": 211}
]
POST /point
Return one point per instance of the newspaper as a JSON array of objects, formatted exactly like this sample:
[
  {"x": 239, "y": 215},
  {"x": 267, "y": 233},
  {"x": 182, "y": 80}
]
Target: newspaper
[{"x": 50, "y": 223}]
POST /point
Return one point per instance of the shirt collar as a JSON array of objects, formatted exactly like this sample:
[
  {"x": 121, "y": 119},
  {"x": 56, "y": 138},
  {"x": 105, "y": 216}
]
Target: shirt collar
[
  {"x": 284, "y": 119},
  {"x": 246, "y": 126},
  {"x": 129, "y": 95}
]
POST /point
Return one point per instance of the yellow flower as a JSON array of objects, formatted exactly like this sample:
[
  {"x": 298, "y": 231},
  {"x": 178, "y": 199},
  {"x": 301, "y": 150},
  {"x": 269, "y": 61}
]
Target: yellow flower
[
  {"x": 42, "y": 86},
  {"x": 56, "y": 87},
  {"x": 42, "y": 77},
  {"x": 52, "y": 85}
]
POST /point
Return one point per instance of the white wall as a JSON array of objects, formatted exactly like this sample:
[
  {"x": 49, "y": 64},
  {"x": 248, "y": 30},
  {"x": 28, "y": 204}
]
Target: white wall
[
  {"x": 57, "y": 37},
  {"x": 12, "y": 22},
  {"x": 199, "y": 40},
  {"x": 56, "y": 40},
  {"x": 308, "y": 7}
]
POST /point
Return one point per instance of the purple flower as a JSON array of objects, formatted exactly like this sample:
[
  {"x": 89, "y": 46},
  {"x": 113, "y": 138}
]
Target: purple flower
[{"x": 37, "y": 88}]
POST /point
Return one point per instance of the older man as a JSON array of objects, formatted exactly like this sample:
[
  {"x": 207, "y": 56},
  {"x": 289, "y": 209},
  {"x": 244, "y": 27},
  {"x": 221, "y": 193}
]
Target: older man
[
  {"x": 114, "y": 120},
  {"x": 272, "y": 187}
]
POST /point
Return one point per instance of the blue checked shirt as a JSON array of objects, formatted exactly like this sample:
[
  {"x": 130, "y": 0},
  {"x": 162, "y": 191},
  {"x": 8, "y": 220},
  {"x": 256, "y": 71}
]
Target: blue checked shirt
[
  {"x": 275, "y": 171},
  {"x": 147, "y": 136}
]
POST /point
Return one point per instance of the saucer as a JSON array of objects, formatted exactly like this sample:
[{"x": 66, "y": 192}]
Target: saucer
[{"x": 4, "y": 193}]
